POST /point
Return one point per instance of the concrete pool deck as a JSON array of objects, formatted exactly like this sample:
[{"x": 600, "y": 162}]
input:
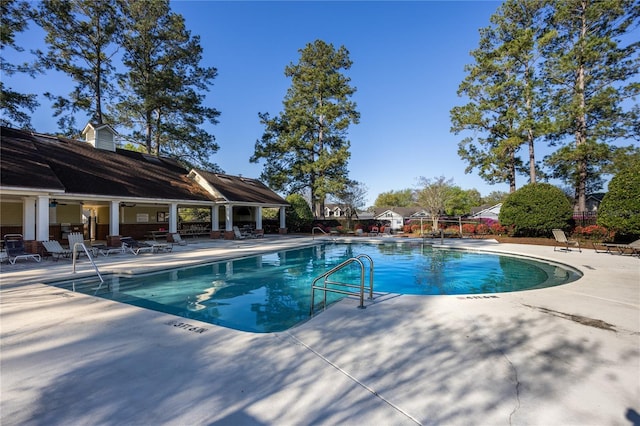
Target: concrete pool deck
[{"x": 567, "y": 355}]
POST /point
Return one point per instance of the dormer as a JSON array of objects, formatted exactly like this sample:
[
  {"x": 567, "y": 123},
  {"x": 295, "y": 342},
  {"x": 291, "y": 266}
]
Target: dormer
[{"x": 101, "y": 136}]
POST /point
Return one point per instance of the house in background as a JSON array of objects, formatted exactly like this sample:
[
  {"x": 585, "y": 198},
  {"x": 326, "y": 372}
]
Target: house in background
[
  {"x": 593, "y": 201},
  {"x": 396, "y": 216},
  {"x": 335, "y": 211},
  {"x": 486, "y": 214},
  {"x": 50, "y": 186}
]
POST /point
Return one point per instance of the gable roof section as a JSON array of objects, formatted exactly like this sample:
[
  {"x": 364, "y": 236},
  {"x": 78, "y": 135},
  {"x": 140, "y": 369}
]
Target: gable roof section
[
  {"x": 490, "y": 212},
  {"x": 400, "y": 211},
  {"x": 36, "y": 160},
  {"x": 238, "y": 189}
]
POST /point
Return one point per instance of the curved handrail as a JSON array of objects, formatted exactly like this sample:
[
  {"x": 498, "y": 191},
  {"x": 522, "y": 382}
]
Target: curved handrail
[
  {"x": 370, "y": 272},
  {"x": 313, "y": 234},
  {"x": 325, "y": 276},
  {"x": 75, "y": 252}
]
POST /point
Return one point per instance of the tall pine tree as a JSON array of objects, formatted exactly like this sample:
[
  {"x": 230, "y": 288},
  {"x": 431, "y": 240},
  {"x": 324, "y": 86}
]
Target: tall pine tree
[
  {"x": 306, "y": 147},
  {"x": 502, "y": 86},
  {"x": 590, "y": 74},
  {"x": 82, "y": 39},
  {"x": 163, "y": 86}
]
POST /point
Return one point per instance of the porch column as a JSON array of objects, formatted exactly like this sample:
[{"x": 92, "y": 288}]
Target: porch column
[
  {"x": 215, "y": 218},
  {"x": 114, "y": 218},
  {"x": 215, "y": 222},
  {"x": 173, "y": 218},
  {"x": 228, "y": 221},
  {"x": 283, "y": 224},
  {"x": 259, "y": 217},
  {"x": 41, "y": 214},
  {"x": 259, "y": 230},
  {"x": 29, "y": 218}
]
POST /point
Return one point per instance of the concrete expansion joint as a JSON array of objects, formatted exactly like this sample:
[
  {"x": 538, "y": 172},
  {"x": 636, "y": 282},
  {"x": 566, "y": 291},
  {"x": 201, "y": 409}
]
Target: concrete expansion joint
[{"x": 297, "y": 341}]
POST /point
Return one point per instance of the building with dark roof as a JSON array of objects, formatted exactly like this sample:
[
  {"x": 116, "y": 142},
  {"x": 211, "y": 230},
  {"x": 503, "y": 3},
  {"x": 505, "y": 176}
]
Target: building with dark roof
[{"x": 50, "y": 185}]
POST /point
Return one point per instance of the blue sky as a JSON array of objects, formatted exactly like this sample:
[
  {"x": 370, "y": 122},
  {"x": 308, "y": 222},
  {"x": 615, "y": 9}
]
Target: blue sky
[{"x": 408, "y": 60}]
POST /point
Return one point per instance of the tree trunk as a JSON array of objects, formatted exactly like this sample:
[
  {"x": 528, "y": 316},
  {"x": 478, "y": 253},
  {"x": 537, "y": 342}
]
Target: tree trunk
[{"x": 581, "y": 125}]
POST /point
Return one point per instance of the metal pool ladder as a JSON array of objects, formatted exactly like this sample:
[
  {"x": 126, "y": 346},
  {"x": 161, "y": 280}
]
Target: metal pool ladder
[{"x": 326, "y": 280}]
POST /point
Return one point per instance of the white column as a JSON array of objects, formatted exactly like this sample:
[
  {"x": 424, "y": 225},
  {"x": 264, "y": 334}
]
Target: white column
[
  {"x": 259, "y": 217},
  {"x": 228, "y": 217},
  {"x": 42, "y": 218},
  {"x": 215, "y": 218},
  {"x": 173, "y": 218},
  {"x": 29, "y": 218},
  {"x": 283, "y": 223},
  {"x": 114, "y": 218}
]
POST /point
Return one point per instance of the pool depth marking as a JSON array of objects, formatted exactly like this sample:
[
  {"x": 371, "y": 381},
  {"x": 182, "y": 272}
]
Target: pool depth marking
[{"x": 187, "y": 326}]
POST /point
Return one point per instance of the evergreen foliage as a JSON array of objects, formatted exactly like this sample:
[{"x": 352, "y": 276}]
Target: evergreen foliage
[
  {"x": 620, "y": 207},
  {"x": 298, "y": 214},
  {"x": 503, "y": 88},
  {"x": 306, "y": 147},
  {"x": 535, "y": 209},
  {"x": 14, "y": 18},
  {"x": 163, "y": 89},
  {"x": 554, "y": 70},
  {"x": 82, "y": 38},
  {"x": 591, "y": 74}
]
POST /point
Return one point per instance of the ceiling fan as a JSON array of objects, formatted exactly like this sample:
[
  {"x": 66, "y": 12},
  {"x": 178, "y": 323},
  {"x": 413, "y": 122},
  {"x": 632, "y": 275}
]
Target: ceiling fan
[{"x": 55, "y": 203}]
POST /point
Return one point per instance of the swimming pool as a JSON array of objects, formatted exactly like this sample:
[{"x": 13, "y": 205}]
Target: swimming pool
[{"x": 272, "y": 292}]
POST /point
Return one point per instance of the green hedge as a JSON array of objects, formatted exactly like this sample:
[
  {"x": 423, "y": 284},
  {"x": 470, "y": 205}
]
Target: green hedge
[
  {"x": 620, "y": 207},
  {"x": 535, "y": 209}
]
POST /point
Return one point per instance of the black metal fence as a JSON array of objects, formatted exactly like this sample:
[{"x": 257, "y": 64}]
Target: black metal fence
[{"x": 585, "y": 218}]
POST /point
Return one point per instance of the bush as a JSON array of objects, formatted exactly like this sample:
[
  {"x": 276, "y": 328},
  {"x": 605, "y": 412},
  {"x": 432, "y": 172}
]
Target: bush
[
  {"x": 468, "y": 228},
  {"x": 298, "y": 214},
  {"x": 592, "y": 232},
  {"x": 497, "y": 229},
  {"x": 535, "y": 209},
  {"x": 620, "y": 207}
]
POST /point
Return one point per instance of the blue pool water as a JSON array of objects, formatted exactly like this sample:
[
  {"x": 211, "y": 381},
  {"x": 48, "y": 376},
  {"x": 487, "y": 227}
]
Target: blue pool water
[{"x": 272, "y": 292}]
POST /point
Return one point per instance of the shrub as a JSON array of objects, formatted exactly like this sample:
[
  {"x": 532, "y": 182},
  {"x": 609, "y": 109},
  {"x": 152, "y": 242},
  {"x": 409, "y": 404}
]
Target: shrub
[
  {"x": 482, "y": 229},
  {"x": 535, "y": 209},
  {"x": 592, "y": 232},
  {"x": 298, "y": 214},
  {"x": 468, "y": 228},
  {"x": 497, "y": 229},
  {"x": 620, "y": 207}
]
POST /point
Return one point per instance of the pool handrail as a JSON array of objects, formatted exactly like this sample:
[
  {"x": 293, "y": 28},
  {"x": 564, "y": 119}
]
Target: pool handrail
[
  {"x": 75, "y": 252},
  {"x": 326, "y": 281}
]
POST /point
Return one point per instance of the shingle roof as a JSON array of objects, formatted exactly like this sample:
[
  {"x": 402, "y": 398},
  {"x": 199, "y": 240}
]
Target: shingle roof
[
  {"x": 241, "y": 189},
  {"x": 48, "y": 162},
  {"x": 22, "y": 164}
]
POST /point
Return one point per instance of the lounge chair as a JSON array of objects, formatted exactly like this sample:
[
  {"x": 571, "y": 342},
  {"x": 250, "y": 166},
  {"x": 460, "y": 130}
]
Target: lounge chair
[
  {"x": 77, "y": 237},
  {"x": 135, "y": 247},
  {"x": 374, "y": 231},
  {"x": 105, "y": 250},
  {"x": 562, "y": 240},
  {"x": 238, "y": 234},
  {"x": 386, "y": 232},
  {"x": 54, "y": 248},
  {"x": 632, "y": 248},
  {"x": 177, "y": 239},
  {"x": 14, "y": 244},
  {"x": 158, "y": 247}
]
